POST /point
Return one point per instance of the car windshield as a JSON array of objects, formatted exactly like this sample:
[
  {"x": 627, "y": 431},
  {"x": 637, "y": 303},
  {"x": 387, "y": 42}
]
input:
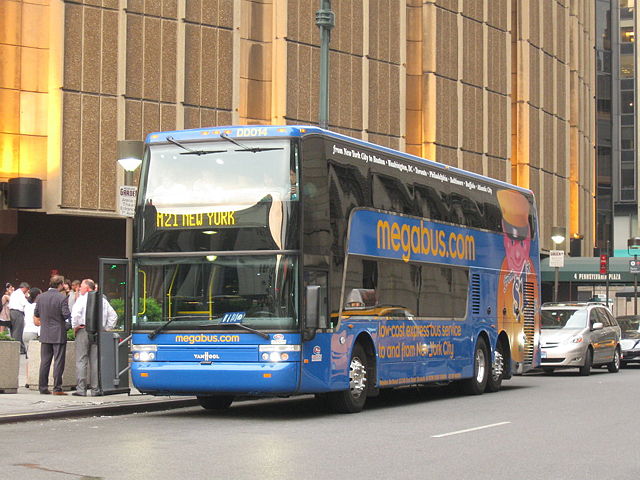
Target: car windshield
[
  {"x": 630, "y": 326},
  {"x": 564, "y": 318}
]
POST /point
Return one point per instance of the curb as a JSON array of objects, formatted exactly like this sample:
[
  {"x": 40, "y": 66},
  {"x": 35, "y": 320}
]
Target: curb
[{"x": 113, "y": 409}]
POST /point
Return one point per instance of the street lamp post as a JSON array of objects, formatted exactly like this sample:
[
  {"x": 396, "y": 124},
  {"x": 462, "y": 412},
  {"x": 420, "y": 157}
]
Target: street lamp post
[
  {"x": 633, "y": 244},
  {"x": 557, "y": 237},
  {"x": 129, "y": 158},
  {"x": 325, "y": 20}
]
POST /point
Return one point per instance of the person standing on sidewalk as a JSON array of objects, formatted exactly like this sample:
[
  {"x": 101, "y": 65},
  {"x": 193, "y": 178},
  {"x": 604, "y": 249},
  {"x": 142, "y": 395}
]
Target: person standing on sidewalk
[
  {"x": 86, "y": 349},
  {"x": 31, "y": 330},
  {"x": 5, "y": 319},
  {"x": 17, "y": 302},
  {"x": 74, "y": 294},
  {"x": 51, "y": 312}
]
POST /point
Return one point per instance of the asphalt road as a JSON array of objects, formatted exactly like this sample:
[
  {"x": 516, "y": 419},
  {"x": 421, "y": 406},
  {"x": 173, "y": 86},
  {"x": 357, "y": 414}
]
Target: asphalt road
[{"x": 538, "y": 427}]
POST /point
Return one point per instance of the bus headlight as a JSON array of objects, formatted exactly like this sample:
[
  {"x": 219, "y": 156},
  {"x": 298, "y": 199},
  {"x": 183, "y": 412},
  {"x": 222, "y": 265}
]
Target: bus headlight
[
  {"x": 277, "y": 353},
  {"x": 144, "y": 353}
]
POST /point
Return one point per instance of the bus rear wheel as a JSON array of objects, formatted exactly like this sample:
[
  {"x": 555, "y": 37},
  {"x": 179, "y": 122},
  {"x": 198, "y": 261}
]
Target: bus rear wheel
[
  {"x": 494, "y": 381},
  {"x": 353, "y": 399},
  {"x": 476, "y": 384},
  {"x": 217, "y": 402}
]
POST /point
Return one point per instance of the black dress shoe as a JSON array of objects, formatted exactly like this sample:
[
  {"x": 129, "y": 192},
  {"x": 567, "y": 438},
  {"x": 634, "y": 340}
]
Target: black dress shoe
[{"x": 45, "y": 392}]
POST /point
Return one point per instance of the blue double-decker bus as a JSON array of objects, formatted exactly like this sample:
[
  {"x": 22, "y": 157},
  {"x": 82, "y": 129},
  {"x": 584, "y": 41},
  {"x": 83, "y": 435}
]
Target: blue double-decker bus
[{"x": 284, "y": 260}]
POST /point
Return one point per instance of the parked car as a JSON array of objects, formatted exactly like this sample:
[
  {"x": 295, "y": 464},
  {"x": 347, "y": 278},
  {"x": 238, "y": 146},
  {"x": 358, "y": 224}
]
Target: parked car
[
  {"x": 581, "y": 335},
  {"x": 630, "y": 342}
]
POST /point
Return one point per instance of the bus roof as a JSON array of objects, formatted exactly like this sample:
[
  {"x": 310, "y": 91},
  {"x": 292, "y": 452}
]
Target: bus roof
[{"x": 269, "y": 131}]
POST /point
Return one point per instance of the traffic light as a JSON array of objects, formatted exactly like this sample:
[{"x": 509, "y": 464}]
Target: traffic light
[{"x": 604, "y": 264}]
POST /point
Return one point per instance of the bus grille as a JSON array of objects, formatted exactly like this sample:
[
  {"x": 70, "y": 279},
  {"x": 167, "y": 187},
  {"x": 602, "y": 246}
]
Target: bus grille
[
  {"x": 475, "y": 294},
  {"x": 529, "y": 315}
]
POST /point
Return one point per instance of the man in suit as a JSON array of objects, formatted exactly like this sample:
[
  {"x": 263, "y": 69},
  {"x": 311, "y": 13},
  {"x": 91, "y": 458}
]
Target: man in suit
[{"x": 51, "y": 312}]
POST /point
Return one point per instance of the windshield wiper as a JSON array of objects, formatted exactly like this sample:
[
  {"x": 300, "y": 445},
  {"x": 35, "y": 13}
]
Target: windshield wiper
[
  {"x": 244, "y": 148},
  {"x": 191, "y": 151},
  {"x": 153, "y": 334},
  {"x": 249, "y": 329}
]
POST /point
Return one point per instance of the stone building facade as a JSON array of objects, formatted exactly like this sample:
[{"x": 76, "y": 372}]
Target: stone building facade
[{"x": 500, "y": 87}]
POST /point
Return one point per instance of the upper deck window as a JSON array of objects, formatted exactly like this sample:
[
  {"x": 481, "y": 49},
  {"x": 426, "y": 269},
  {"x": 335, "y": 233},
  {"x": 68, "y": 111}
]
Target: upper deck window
[{"x": 204, "y": 177}]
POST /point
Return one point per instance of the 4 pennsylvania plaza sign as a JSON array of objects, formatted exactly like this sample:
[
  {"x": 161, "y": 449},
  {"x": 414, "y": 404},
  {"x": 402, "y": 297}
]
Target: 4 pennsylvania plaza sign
[{"x": 586, "y": 270}]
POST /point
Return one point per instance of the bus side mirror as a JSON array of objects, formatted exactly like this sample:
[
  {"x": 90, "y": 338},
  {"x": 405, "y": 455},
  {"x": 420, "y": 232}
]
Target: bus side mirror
[
  {"x": 312, "y": 314},
  {"x": 315, "y": 311},
  {"x": 92, "y": 313}
]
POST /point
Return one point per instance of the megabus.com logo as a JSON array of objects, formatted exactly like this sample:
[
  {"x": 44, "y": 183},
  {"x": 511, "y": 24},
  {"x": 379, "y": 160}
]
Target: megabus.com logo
[{"x": 420, "y": 240}]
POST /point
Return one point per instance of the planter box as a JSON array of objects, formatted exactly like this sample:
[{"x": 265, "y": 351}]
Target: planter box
[
  {"x": 69, "y": 379},
  {"x": 9, "y": 366}
]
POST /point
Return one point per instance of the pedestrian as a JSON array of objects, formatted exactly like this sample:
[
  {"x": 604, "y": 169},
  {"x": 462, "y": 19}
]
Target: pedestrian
[
  {"x": 74, "y": 293},
  {"x": 5, "y": 319},
  {"x": 50, "y": 314},
  {"x": 17, "y": 302},
  {"x": 31, "y": 330},
  {"x": 86, "y": 348}
]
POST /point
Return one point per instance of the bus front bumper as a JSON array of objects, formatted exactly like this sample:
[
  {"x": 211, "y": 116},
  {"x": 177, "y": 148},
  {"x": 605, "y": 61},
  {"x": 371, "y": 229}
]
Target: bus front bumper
[{"x": 191, "y": 378}]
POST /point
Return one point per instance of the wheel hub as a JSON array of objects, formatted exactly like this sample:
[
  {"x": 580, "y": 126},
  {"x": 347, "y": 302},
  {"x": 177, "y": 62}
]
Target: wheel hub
[
  {"x": 357, "y": 377},
  {"x": 498, "y": 366},
  {"x": 480, "y": 365}
]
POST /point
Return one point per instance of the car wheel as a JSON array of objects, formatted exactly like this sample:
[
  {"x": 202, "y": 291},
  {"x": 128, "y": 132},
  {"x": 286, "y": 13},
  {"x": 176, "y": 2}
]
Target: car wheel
[
  {"x": 614, "y": 366},
  {"x": 217, "y": 402},
  {"x": 494, "y": 382},
  {"x": 476, "y": 384},
  {"x": 585, "y": 370},
  {"x": 548, "y": 370},
  {"x": 353, "y": 399}
]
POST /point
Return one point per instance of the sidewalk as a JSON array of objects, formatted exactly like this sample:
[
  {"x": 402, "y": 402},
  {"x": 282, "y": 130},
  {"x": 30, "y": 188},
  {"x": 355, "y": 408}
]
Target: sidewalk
[{"x": 27, "y": 405}]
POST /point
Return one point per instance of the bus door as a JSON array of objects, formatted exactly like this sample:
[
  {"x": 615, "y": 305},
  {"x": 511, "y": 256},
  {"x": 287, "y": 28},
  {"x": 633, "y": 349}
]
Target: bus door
[{"x": 113, "y": 344}]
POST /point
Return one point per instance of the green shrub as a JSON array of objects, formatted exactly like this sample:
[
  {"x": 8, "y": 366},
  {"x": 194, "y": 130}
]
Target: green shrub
[
  {"x": 70, "y": 335},
  {"x": 5, "y": 337},
  {"x": 153, "y": 311}
]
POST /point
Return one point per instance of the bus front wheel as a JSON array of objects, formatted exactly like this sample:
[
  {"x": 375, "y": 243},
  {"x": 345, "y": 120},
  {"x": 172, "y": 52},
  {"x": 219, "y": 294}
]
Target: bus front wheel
[
  {"x": 353, "y": 399},
  {"x": 476, "y": 384},
  {"x": 217, "y": 402}
]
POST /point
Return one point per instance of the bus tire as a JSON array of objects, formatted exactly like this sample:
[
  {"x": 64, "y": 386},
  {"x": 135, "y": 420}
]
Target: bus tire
[
  {"x": 353, "y": 399},
  {"x": 476, "y": 384},
  {"x": 216, "y": 402},
  {"x": 496, "y": 374}
]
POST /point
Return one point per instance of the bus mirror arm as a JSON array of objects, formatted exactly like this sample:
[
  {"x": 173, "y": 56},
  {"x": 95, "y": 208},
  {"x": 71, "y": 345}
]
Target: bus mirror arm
[{"x": 312, "y": 312}]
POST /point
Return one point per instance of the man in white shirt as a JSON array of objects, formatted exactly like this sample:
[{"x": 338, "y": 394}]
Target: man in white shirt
[
  {"x": 87, "y": 351},
  {"x": 17, "y": 303}
]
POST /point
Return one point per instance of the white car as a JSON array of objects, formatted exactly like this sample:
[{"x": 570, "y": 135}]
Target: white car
[{"x": 579, "y": 335}]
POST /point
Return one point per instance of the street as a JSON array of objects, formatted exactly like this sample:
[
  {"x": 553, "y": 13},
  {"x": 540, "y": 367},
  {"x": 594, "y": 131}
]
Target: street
[{"x": 561, "y": 426}]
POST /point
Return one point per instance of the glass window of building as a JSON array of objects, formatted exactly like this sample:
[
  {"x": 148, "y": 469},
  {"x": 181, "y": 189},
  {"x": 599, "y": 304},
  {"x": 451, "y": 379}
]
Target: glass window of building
[
  {"x": 626, "y": 102},
  {"x": 626, "y": 138},
  {"x": 626, "y": 66}
]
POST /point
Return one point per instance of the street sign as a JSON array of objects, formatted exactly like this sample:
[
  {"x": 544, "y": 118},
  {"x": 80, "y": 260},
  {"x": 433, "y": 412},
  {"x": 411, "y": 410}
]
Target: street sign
[
  {"x": 634, "y": 266},
  {"x": 604, "y": 264},
  {"x": 556, "y": 258},
  {"x": 128, "y": 200}
]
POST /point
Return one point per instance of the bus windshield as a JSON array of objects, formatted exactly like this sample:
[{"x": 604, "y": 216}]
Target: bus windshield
[
  {"x": 204, "y": 177},
  {"x": 203, "y": 292}
]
